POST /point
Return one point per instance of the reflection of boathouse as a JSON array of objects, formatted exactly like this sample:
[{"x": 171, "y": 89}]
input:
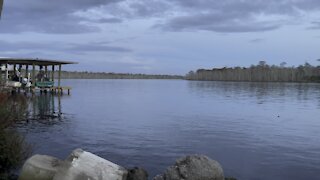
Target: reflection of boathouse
[
  {"x": 45, "y": 107},
  {"x": 16, "y": 75}
]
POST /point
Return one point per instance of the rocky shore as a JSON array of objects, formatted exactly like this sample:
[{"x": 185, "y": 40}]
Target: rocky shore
[{"x": 82, "y": 165}]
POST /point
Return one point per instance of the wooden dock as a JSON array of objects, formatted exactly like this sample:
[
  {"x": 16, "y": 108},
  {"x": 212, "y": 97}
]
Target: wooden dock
[
  {"x": 15, "y": 75},
  {"x": 59, "y": 90},
  {"x": 53, "y": 90}
]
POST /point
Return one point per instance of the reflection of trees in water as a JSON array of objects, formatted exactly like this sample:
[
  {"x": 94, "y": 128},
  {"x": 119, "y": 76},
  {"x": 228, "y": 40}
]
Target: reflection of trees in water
[
  {"x": 45, "y": 108},
  {"x": 261, "y": 91}
]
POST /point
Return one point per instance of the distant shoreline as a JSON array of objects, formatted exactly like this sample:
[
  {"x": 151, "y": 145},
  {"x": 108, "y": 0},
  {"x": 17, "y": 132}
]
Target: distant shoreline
[
  {"x": 105, "y": 75},
  {"x": 259, "y": 73}
]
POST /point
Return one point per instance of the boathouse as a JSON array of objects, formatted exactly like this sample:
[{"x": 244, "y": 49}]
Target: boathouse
[{"x": 32, "y": 74}]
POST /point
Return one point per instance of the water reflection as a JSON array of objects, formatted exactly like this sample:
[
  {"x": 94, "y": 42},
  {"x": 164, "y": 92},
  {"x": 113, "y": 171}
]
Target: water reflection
[
  {"x": 43, "y": 109},
  {"x": 263, "y": 92}
]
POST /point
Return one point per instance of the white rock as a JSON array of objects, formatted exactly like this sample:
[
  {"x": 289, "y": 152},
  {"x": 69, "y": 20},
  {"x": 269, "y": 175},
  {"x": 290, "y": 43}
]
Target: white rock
[
  {"x": 39, "y": 167},
  {"x": 82, "y": 165}
]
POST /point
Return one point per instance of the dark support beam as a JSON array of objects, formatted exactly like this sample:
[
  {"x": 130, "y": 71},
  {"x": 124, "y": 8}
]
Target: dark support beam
[
  {"x": 46, "y": 71},
  {"x": 27, "y": 71},
  {"x": 20, "y": 75},
  {"x": 59, "y": 77},
  {"x": 0, "y": 74},
  {"x": 7, "y": 73},
  {"x": 33, "y": 75},
  {"x": 52, "y": 73}
]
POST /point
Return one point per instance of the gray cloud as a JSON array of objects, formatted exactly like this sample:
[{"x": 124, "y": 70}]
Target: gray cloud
[
  {"x": 98, "y": 47},
  {"x": 59, "y": 16},
  {"x": 109, "y": 20},
  {"x": 24, "y": 45},
  {"x": 218, "y": 23},
  {"x": 49, "y": 16},
  {"x": 257, "y": 40},
  {"x": 315, "y": 25},
  {"x": 236, "y": 16},
  {"x": 6, "y": 46}
]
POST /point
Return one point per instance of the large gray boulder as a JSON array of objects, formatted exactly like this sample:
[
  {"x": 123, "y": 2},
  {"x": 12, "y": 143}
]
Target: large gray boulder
[
  {"x": 195, "y": 167},
  {"x": 82, "y": 165},
  {"x": 40, "y": 167}
]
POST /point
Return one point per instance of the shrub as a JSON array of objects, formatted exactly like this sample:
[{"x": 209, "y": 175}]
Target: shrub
[{"x": 13, "y": 148}]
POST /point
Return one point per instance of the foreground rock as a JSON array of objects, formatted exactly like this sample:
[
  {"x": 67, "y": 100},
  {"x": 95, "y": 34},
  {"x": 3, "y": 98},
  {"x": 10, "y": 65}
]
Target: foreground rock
[
  {"x": 196, "y": 167},
  {"x": 80, "y": 165},
  {"x": 40, "y": 167}
]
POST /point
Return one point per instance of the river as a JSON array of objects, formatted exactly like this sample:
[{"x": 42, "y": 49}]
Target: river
[{"x": 257, "y": 131}]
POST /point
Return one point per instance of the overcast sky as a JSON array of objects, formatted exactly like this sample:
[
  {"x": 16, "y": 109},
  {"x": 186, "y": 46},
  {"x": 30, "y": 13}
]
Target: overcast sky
[{"x": 162, "y": 36}]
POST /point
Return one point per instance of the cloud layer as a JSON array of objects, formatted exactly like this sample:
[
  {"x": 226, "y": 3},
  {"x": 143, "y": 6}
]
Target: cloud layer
[{"x": 84, "y": 16}]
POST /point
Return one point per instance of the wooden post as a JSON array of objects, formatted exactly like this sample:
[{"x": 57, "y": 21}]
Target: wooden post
[
  {"x": 27, "y": 71},
  {"x": 14, "y": 68},
  {"x": 46, "y": 71},
  {"x": 20, "y": 75},
  {"x": 33, "y": 75},
  {"x": 59, "y": 76},
  {"x": 0, "y": 74},
  {"x": 52, "y": 73},
  {"x": 7, "y": 73}
]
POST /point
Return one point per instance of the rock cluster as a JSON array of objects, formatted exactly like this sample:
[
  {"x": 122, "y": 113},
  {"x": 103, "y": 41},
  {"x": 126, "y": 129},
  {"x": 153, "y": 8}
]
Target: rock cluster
[{"x": 82, "y": 165}]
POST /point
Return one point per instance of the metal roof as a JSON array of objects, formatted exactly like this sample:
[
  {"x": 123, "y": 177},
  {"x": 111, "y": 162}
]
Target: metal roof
[{"x": 35, "y": 61}]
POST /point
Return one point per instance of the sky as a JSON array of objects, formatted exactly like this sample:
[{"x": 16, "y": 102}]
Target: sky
[{"x": 162, "y": 36}]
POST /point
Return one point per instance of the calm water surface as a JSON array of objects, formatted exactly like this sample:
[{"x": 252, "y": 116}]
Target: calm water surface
[{"x": 257, "y": 131}]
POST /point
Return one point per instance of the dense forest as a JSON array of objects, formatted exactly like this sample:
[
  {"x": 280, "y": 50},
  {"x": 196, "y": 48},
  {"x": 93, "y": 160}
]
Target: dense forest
[
  {"x": 103, "y": 75},
  {"x": 259, "y": 73}
]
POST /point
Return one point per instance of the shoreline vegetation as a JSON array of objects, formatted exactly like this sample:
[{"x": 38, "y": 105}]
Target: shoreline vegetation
[
  {"x": 14, "y": 150},
  {"x": 262, "y": 72},
  {"x": 105, "y": 75},
  {"x": 259, "y": 73}
]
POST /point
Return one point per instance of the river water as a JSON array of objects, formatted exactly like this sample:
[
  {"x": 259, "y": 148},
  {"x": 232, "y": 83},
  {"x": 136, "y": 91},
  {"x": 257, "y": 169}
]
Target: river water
[{"x": 257, "y": 131}]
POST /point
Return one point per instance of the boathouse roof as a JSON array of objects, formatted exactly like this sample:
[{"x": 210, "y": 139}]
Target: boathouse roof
[{"x": 35, "y": 61}]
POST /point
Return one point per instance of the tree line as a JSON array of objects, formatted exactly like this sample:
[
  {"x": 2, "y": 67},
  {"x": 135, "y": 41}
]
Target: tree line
[
  {"x": 259, "y": 73},
  {"x": 104, "y": 75}
]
